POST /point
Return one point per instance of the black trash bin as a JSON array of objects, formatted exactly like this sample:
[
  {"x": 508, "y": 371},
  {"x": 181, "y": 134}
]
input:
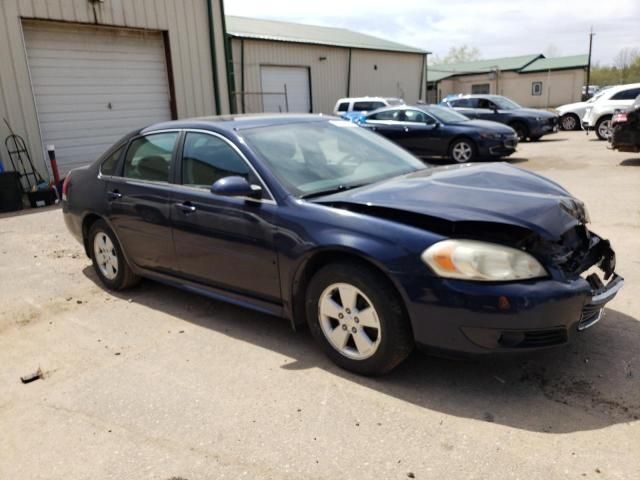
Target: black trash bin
[{"x": 10, "y": 192}]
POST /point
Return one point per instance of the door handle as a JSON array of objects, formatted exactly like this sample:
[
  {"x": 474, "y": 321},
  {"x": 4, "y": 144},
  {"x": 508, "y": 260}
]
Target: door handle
[
  {"x": 406, "y": 129},
  {"x": 186, "y": 207},
  {"x": 113, "y": 195}
]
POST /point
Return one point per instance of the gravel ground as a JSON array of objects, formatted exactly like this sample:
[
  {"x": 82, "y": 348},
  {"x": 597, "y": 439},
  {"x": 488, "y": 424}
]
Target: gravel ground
[{"x": 159, "y": 383}]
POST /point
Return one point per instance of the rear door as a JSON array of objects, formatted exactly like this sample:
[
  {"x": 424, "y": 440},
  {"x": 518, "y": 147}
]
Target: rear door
[
  {"x": 422, "y": 135},
  {"x": 139, "y": 201},
  {"x": 386, "y": 123},
  {"x": 466, "y": 106},
  {"x": 224, "y": 242}
]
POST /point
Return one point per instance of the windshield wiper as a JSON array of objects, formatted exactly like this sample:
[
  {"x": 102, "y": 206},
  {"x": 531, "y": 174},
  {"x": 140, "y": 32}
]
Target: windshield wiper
[{"x": 329, "y": 191}]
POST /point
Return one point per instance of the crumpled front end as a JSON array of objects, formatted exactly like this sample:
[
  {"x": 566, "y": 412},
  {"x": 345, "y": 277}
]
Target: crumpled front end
[{"x": 485, "y": 317}]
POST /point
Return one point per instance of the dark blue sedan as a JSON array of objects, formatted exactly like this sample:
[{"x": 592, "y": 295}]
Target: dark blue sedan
[
  {"x": 433, "y": 131},
  {"x": 327, "y": 224}
]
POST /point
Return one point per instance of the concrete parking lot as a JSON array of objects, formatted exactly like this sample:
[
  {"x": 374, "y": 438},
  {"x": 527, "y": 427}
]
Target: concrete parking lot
[{"x": 158, "y": 383}]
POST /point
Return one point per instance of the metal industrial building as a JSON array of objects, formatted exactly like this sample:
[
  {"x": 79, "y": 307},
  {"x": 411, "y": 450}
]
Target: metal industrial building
[
  {"x": 531, "y": 80},
  {"x": 81, "y": 73},
  {"x": 316, "y": 66}
]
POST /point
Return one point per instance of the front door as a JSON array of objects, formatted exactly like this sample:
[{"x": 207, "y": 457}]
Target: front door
[
  {"x": 225, "y": 242},
  {"x": 139, "y": 201}
]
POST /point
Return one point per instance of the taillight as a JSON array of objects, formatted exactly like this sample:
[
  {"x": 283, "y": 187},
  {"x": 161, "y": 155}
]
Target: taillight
[
  {"x": 620, "y": 117},
  {"x": 65, "y": 186}
]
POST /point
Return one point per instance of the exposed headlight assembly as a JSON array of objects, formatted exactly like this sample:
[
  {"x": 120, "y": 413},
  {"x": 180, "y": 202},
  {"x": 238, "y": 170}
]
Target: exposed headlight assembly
[{"x": 481, "y": 261}]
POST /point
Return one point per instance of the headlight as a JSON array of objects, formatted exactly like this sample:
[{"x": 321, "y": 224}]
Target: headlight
[
  {"x": 488, "y": 262},
  {"x": 490, "y": 136}
]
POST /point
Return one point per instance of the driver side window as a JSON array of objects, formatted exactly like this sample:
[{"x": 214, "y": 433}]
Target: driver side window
[{"x": 207, "y": 158}]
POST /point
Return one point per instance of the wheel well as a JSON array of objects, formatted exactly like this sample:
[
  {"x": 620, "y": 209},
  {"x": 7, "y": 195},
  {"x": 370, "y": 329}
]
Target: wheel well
[
  {"x": 315, "y": 263},
  {"x": 87, "y": 222},
  {"x": 462, "y": 137},
  {"x": 604, "y": 117}
]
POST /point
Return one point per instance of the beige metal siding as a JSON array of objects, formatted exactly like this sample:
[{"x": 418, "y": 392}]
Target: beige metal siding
[
  {"x": 185, "y": 21},
  {"x": 328, "y": 76},
  {"x": 559, "y": 87},
  {"x": 398, "y": 74},
  {"x": 93, "y": 85},
  {"x": 387, "y": 74}
]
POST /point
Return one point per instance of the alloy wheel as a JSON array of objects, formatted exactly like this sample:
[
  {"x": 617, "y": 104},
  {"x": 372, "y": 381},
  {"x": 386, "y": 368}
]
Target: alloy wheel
[
  {"x": 106, "y": 256},
  {"x": 569, "y": 122},
  {"x": 462, "y": 152},
  {"x": 604, "y": 129},
  {"x": 349, "y": 321}
]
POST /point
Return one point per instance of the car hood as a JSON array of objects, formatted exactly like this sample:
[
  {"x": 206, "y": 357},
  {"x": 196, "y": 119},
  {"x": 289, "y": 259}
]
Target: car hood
[
  {"x": 572, "y": 106},
  {"x": 487, "y": 125},
  {"x": 494, "y": 193}
]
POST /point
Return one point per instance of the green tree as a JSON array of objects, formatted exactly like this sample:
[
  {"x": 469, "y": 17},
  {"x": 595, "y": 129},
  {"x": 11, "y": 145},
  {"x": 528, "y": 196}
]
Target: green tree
[{"x": 625, "y": 69}]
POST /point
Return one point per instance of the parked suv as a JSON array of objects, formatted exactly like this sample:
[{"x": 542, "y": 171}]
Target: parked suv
[
  {"x": 527, "y": 122},
  {"x": 364, "y": 104},
  {"x": 598, "y": 115},
  {"x": 571, "y": 114}
]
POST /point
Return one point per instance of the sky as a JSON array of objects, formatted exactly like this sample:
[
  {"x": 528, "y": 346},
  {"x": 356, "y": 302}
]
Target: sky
[{"x": 498, "y": 28}]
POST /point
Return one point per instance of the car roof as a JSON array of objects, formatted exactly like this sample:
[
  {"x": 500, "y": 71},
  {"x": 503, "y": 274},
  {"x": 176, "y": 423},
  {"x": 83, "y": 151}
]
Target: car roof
[
  {"x": 617, "y": 88},
  {"x": 238, "y": 122}
]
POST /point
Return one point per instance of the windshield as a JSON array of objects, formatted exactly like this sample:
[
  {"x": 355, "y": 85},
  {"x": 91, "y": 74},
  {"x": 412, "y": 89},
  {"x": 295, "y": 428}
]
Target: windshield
[
  {"x": 446, "y": 115},
  {"x": 504, "y": 103},
  {"x": 311, "y": 158}
]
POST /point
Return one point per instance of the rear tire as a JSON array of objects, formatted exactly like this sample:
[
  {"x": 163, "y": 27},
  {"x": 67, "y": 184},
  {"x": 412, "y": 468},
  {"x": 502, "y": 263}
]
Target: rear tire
[
  {"x": 462, "y": 150},
  {"x": 108, "y": 260},
  {"x": 603, "y": 127},
  {"x": 521, "y": 130},
  {"x": 358, "y": 319},
  {"x": 535, "y": 139}
]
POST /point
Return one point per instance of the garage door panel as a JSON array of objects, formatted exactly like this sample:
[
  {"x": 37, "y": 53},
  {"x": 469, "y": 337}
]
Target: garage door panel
[
  {"x": 294, "y": 80},
  {"x": 92, "y": 85}
]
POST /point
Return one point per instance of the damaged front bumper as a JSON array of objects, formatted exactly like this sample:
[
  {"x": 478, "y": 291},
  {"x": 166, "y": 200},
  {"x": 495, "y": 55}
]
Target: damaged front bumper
[{"x": 478, "y": 318}]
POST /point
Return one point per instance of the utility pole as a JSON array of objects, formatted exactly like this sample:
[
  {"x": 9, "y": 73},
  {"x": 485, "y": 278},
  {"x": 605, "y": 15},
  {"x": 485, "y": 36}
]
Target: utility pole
[{"x": 586, "y": 90}]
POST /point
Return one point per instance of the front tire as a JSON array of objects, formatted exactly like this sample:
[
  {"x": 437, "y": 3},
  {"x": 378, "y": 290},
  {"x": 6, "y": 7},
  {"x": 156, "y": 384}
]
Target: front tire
[
  {"x": 569, "y": 121},
  {"x": 108, "y": 260},
  {"x": 521, "y": 130},
  {"x": 357, "y": 318},
  {"x": 603, "y": 127},
  {"x": 462, "y": 151}
]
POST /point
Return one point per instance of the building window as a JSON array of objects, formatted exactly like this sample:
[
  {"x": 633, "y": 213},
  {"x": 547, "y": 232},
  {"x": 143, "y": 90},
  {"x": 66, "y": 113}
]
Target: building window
[
  {"x": 536, "y": 89},
  {"x": 481, "y": 88}
]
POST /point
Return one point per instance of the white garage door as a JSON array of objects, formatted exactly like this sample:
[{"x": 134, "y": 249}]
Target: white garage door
[
  {"x": 293, "y": 80},
  {"x": 93, "y": 85}
]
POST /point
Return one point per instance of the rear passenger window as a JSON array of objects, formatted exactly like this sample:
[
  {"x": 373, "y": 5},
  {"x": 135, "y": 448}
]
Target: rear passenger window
[
  {"x": 110, "y": 164},
  {"x": 149, "y": 158},
  {"x": 386, "y": 115},
  {"x": 462, "y": 103},
  {"x": 207, "y": 158},
  {"x": 367, "y": 106},
  {"x": 343, "y": 107},
  {"x": 626, "y": 94}
]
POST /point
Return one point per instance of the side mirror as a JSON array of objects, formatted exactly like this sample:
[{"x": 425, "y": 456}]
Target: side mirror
[{"x": 236, "y": 187}]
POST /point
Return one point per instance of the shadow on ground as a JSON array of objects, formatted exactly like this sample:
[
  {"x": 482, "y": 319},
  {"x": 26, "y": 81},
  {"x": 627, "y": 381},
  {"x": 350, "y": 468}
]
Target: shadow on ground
[
  {"x": 587, "y": 385},
  {"x": 630, "y": 162}
]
